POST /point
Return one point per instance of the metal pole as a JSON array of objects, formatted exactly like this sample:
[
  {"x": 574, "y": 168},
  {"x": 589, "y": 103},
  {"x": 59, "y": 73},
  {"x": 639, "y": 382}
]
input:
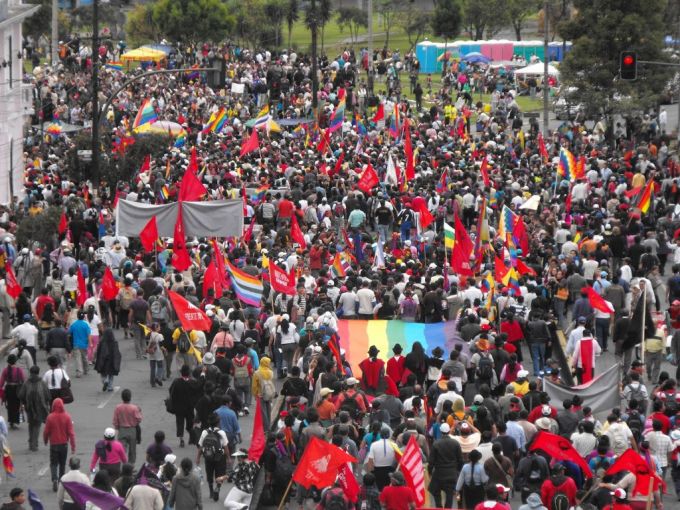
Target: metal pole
[
  {"x": 546, "y": 93},
  {"x": 95, "y": 93},
  {"x": 677, "y": 125},
  {"x": 370, "y": 46},
  {"x": 55, "y": 32},
  {"x": 315, "y": 83},
  {"x": 644, "y": 317}
]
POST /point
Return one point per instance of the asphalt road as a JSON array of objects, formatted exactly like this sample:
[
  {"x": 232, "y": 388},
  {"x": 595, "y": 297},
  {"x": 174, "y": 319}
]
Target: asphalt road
[{"x": 92, "y": 412}]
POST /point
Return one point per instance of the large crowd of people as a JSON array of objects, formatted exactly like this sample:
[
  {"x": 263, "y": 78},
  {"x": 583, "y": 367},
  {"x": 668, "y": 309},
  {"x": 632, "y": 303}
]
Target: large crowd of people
[{"x": 475, "y": 411}]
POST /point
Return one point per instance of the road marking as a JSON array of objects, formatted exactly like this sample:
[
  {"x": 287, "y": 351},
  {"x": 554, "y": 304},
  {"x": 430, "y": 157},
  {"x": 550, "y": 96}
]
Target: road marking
[
  {"x": 42, "y": 472},
  {"x": 103, "y": 404}
]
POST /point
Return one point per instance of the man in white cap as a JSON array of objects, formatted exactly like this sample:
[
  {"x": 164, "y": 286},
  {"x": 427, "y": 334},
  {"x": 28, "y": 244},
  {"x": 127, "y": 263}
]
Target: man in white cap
[
  {"x": 444, "y": 465},
  {"x": 243, "y": 478}
]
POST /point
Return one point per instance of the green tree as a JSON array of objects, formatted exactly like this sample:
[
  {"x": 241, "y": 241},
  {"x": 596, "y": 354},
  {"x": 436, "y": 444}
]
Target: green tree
[
  {"x": 518, "y": 12},
  {"x": 292, "y": 15},
  {"x": 140, "y": 27},
  {"x": 447, "y": 19},
  {"x": 415, "y": 23},
  {"x": 389, "y": 10},
  {"x": 40, "y": 23},
  {"x": 193, "y": 21},
  {"x": 592, "y": 65},
  {"x": 321, "y": 14},
  {"x": 484, "y": 15},
  {"x": 275, "y": 11},
  {"x": 40, "y": 228},
  {"x": 353, "y": 19}
]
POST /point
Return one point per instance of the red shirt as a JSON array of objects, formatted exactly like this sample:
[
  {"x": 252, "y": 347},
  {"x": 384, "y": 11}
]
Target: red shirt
[
  {"x": 548, "y": 491},
  {"x": 513, "y": 329},
  {"x": 286, "y": 208},
  {"x": 665, "y": 421},
  {"x": 40, "y": 304},
  {"x": 492, "y": 505},
  {"x": 397, "y": 497}
]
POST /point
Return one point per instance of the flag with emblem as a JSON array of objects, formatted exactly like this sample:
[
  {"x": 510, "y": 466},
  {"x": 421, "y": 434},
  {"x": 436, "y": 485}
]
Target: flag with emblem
[
  {"x": 411, "y": 465},
  {"x": 320, "y": 463}
]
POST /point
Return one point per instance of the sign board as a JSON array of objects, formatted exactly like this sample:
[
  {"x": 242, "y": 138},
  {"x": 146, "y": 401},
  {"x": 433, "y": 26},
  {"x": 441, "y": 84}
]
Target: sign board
[{"x": 238, "y": 88}]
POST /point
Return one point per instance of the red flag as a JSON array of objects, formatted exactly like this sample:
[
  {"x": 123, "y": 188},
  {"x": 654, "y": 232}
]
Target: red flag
[
  {"x": 324, "y": 142},
  {"x": 411, "y": 465},
  {"x": 323, "y": 169},
  {"x": 191, "y": 316},
  {"x": 296, "y": 233},
  {"x": 462, "y": 236},
  {"x": 257, "y": 440},
  {"x": 460, "y": 260},
  {"x": 408, "y": 151},
  {"x": 181, "y": 260},
  {"x": 368, "y": 180},
  {"x": 252, "y": 144},
  {"x": 190, "y": 187},
  {"x": 281, "y": 281},
  {"x": 633, "y": 462},
  {"x": 11, "y": 285},
  {"x": 348, "y": 483},
  {"x": 560, "y": 448},
  {"x": 63, "y": 223},
  {"x": 334, "y": 346},
  {"x": 541, "y": 148},
  {"x": 338, "y": 164},
  {"x": 379, "y": 114},
  {"x": 219, "y": 263},
  {"x": 146, "y": 164},
  {"x": 484, "y": 170},
  {"x": 523, "y": 269},
  {"x": 149, "y": 235},
  {"x": 597, "y": 301},
  {"x": 567, "y": 203},
  {"x": 519, "y": 232},
  {"x": 193, "y": 162},
  {"x": 81, "y": 295},
  {"x": 211, "y": 280},
  {"x": 109, "y": 287},
  {"x": 500, "y": 270},
  {"x": 248, "y": 234},
  {"x": 320, "y": 463},
  {"x": 426, "y": 217}
]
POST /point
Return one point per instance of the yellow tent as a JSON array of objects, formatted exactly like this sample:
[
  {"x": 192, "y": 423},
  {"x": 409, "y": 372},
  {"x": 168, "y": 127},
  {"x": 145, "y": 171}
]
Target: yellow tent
[{"x": 143, "y": 55}]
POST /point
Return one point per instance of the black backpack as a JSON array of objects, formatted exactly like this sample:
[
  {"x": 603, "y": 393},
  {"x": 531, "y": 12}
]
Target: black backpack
[
  {"x": 560, "y": 501},
  {"x": 351, "y": 405},
  {"x": 212, "y": 445},
  {"x": 485, "y": 368},
  {"x": 635, "y": 425},
  {"x": 183, "y": 343}
]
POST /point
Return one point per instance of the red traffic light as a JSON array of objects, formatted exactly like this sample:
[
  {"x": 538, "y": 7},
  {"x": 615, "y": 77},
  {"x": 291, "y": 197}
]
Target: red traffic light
[
  {"x": 628, "y": 60},
  {"x": 628, "y": 65}
]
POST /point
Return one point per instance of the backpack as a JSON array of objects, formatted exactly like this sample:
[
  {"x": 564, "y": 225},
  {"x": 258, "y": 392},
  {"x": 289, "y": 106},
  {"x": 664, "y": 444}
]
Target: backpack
[
  {"x": 560, "y": 501},
  {"x": 212, "y": 445},
  {"x": 335, "y": 500},
  {"x": 157, "y": 309},
  {"x": 268, "y": 389},
  {"x": 485, "y": 368},
  {"x": 241, "y": 372},
  {"x": 284, "y": 468},
  {"x": 127, "y": 296},
  {"x": 183, "y": 343},
  {"x": 57, "y": 289},
  {"x": 535, "y": 477},
  {"x": 671, "y": 404},
  {"x": 48, "y": 313},
  {"x": 635, "y": 425},
  {"x": 351, "y": 405},
  {"x": 637, "y": 394},
  {"x": 408, "y": 307}
]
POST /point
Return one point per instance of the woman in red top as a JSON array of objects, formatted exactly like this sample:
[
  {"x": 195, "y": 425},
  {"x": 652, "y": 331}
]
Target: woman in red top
[
  {"x": 513, "y": 329},
  {"x": 372, "y": 371}
]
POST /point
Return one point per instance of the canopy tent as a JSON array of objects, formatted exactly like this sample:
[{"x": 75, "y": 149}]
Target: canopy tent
[
  {"x": 476, "y": 58},
  {"x": 161, "y": 127},
  {"x": 143, "y": 55},
  {"x": 165, "y": 48},
  {"x": 537, "y": 68},
  {"x": 284, "y": 122}
]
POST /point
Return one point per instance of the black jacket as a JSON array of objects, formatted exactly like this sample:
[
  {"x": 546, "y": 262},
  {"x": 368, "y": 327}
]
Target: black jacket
[{"x": 446, "y": 459}]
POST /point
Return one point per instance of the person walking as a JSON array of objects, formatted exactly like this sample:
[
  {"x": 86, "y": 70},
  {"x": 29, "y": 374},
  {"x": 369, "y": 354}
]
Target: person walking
[
  {"x": 154, "y": 350},
  {"x": 79, "y": 333},
  {"x": 185, "y": 493},
  {"x": 109, "y": 454},
  {"x": 35, "y": 397},
  {"x": 58, "y": 432},
  {"x": 444, "y": 464},
  {"x": 64, "y": 500},
  {"x": 264, "y": 389},
  {"x": 11, "y": 379},
  {"x": 242, "y": 372},
  {"x": 127, "y": 419},
  {"x": 183, "y": 392},
  {"x": 213, "y": 446},
  {"x": 108, "y": 359},
  {"x": 57, "y": 343},
  {"x": 54, "y": 376},
  {"x": 138, "y": 314},
  {"x": 243, "y": 477},
  {"x": 144, "y": 497}
]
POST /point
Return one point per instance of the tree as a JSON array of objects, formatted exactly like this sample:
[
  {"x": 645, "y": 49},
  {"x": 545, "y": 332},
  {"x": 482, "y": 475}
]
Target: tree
[
  {"x": 352, "y": 18},
  {"x": 518, "y": 12},
  {"x": 415, "y": 24},
  {"x": 389, "y": 10},
  {"x": 140, "y": 27},
  {"x": 274, "y": 11},
  {"x": 40, "y": 22},
  {"x": 592, "y": 65},
  {"x": 322, "y": 14},
  {"x": 193, "y": 21},
  {"x": 292, "y": 16},
  {"x": 447, "y": 19},
  {"x": 484, "y": 15}
]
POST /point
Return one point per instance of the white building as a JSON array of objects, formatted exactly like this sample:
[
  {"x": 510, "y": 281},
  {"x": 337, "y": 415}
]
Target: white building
[{"x": 15, "y": 97}]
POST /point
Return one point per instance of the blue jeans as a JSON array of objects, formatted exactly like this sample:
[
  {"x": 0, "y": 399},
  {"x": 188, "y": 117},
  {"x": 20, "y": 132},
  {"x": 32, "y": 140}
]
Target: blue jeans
[
  {"x": 538, "y": 356},
  {"x": 602, "y": 332},
  {"x": 107, "y": 380},
  {"x": 383, "y": 231},
  {"x": 406, "y": 231},
  {"x": 157, "y": 371}
]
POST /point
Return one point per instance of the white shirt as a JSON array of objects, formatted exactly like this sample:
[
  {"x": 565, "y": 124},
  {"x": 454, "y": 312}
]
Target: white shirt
[
  {"x": 449, "y": 395},
  {"x": 26, "y": 331},
  {"x": 366, "y": 299},
  {"x": 59, "y": 374}
]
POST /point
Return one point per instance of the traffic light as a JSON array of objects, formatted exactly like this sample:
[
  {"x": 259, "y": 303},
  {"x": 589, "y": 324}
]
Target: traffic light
[{"x": 628, "y": 65}]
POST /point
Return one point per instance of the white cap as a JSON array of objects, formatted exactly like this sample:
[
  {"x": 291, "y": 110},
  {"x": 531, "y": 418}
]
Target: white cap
[{"x": 109, "y": 433}]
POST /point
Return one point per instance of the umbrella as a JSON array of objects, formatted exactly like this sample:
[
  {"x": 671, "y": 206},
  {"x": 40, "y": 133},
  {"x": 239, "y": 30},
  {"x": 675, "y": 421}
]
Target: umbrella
[
  {"x": 476, "y": 58},
  {"x": 162, "y": 127}
]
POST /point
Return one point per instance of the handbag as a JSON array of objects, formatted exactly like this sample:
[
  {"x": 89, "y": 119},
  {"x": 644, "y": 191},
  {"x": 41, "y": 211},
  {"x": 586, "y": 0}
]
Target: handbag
[
  {"x": 169, "y": 407},
  {"x": 65, "y": 394}
]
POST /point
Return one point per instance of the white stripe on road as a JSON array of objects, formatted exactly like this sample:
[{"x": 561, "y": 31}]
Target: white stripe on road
[
  {"x": 42, "y": 472},
  {"x": 103, "y": 404}
]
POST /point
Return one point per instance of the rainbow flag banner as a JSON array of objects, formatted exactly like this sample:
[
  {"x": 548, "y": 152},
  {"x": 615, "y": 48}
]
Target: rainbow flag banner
[
  {"x": 114, "y": 66},
  {"x": 248, "y": 288},
  {"x": 356, "y": 336},
  {"x": 145, "y": 115}
]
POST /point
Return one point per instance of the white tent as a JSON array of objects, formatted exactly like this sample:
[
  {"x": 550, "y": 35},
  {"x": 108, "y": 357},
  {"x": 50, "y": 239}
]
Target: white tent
[{"x": 537, "y": 68}]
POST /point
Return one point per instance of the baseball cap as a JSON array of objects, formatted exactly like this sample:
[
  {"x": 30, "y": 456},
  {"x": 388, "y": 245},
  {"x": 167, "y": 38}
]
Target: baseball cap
[
  {"x": 445, "y": 428},
  {"x": 619, "y": 493}
]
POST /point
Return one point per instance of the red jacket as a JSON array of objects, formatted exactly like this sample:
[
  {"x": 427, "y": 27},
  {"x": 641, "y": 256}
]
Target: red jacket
[
  {"x": 395, "y": 369},
  {"x": 59, "y": 427},
  {"x": 549, "y": 489}
]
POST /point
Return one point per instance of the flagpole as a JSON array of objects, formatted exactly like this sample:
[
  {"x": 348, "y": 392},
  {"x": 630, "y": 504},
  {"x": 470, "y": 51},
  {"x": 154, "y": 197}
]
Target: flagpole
[
  {"x": 282, "y": 503},
  {"x": 644, "y": 317}
]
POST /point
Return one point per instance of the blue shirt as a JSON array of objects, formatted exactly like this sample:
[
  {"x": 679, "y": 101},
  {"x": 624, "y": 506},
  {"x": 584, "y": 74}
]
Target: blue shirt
[
  {"x": 515, "y": 431},
  {"x": 228, "y": 421},
  {"x": 80, "y": 333},
  {"x": 254, "y": 359}
]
